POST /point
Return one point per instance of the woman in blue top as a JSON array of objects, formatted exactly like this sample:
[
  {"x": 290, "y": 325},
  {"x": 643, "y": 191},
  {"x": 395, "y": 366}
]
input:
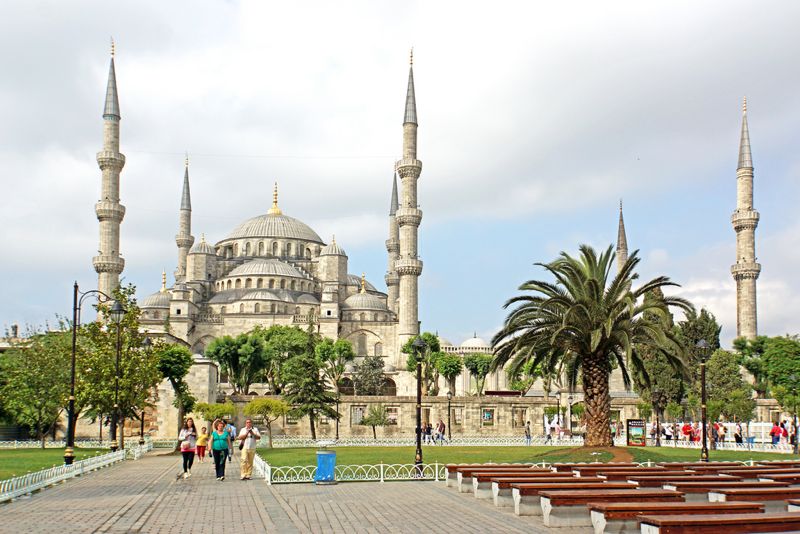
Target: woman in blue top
[{"x": 220, "y": 445}]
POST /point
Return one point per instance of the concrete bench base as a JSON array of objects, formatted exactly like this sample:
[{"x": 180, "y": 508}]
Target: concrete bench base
[
  {"x": 526, "y": 504},
  {"x": 503, "y": 497},
  {"x": 770, "y": 507},
  {"x": 618, "y": 526},
  {"x": 564, "y": 516}
]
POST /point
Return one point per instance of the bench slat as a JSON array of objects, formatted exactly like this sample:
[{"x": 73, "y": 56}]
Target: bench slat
[{"x": 728, "y": 523}]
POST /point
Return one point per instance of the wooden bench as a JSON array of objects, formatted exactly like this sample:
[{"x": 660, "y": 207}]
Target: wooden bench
[
  {"x": 527, "y": 499},
  {"x": 716, "y": 523},
  {"x": 503, "y": 496},
  {"x": 756, "y": 473},
  {"x": 482, "y": 481},
  {"x": 793, "y": 479},
  {"x": 464, "y": 474},
  {"x": 593, "y": 470},
  {"x": 568, "y": 507},
  {"x": 779, "y": 463},
  {"x": 793, "y": 505},
  {"x": 565, "y": 467},
  {"x": 651, "y": 481},
  {"x": 699, "y": 491},
  {"x": 452, "y": 470},
  {"x": 624, "y": 517},
  {"x": 692, "y": 465},
  {"x": 774, "y": 499},
  {"x": 624, "y": 475}
]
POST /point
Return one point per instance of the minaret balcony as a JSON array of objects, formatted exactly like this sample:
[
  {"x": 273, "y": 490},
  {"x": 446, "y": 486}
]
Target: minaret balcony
[
  {"x": 745, "y": 219},
  {"x": 184, "y": 240},
  {"x": 409, "y": 168},
  {"x": 405, "y": 266},
  {"x": 408, "y": 216},
  {"x": 391, "y": 279},
  {"x": 745, "y": 270},
  {"x": 108, "y": 210},
  {"x": 108, "y": 159},
  {"x": 108, "y": 264},
  {"x": 392, "y": 245}
]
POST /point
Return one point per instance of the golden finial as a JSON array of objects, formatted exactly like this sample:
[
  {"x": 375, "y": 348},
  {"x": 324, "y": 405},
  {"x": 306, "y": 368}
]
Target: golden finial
[
  {"x": 411, "y": 57},
  {"x": 186, "y": 161},
  {"x": 113, "y": 47},
  {"x": 275, "y": 210},
  {"x": 202, "y": 238},
  {"x": 163, "y": 281},
  {"x": 333, "y": 239},
  {"x": 363, "y": 283},
  {"x": 620, "y": 205},
  {"x": 744, "y": 105}
]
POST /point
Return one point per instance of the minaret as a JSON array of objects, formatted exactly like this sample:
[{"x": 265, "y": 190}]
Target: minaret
[
  {"x": 110, "y": 212},
  {"x": 184, "y": 239},
  {"x": 622, "y": 241},
  {"x": 393, "y": 249},
  {"x": 745, "y": 219},
  {"x": 408, "y": 266}
]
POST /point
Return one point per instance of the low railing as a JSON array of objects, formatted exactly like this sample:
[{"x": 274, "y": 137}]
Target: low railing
[
  {"x": 349, "y": 473},
  {"x": 84, "y": 443},
  {"x": 409, "y": 441},
  {"x": 779, "y": 448}
]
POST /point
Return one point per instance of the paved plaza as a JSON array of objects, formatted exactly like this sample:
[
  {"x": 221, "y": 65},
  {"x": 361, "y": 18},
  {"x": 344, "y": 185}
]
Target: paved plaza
[{"x": 146, "y": 496}]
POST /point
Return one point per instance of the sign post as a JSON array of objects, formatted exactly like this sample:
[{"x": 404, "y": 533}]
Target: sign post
[{"x": 636, "y": 433}]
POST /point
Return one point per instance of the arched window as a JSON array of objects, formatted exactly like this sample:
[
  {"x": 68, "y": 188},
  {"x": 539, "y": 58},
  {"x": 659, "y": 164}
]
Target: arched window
[
  {"x": 272, "y": 307},
  {"x": 378, "y": 349},
  {"x": 272, "y": 283},
  {"x": 235, "y": 249},
  {"x": 260, "y": 282},
  {"x": 257, "y": 308},
  {"x": 248, "y": 283},
  {"x": 260, "y": 248},
  {"x": 362, "y": 317},
  {"x": 294, "y": 285},
  {"x": 308, "y": 253},
  {"x": 229, "y": 284},
  {"x": 238, "y": 283},
  {"x": 156, "y": 315},
  {"x": 374, "y": 316},
  {"x": 389, "y": 388},
  {"x": 241, "y": 308},
  {"x": 283, "y": 284},
  {"x": 346, "y": 387},
  {"x": 288, "y": 249},
  {"x": 361, "y": 345},
  {"x": 297, "y": 310},
  {"x": 247, "y": 249},
  {"x": 222, "y": 310},
  {"x": 275, "y": 248}
]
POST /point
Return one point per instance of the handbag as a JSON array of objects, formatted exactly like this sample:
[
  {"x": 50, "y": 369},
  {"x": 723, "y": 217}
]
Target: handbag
[{"x": 241, "y": 444}]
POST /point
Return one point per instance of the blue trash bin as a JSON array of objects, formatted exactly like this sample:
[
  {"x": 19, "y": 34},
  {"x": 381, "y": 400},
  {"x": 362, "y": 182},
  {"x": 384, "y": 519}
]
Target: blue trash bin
[
  {"x": 751, "y": 440},
  {"x": 326, "y": 467}
]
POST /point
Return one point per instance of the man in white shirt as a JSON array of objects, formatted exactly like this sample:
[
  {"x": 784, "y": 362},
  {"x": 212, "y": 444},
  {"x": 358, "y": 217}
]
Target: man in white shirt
[{"x": 248, "y": 438}]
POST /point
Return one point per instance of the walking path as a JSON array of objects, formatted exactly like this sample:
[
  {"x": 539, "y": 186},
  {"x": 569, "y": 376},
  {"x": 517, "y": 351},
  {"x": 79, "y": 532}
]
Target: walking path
[{"x": 146, "y": 496}]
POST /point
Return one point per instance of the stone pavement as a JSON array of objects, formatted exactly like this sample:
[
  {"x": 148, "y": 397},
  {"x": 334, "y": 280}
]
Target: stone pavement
[{"x": 146, "y": 496}]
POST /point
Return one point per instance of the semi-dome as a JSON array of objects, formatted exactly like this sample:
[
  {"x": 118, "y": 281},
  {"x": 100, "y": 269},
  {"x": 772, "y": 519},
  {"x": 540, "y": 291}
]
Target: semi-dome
[
  {"x": 364, "y": 301},
  {"x": 236, "y": 295},
  {"x": 266, "y": 267},
  {"x": 156, "y": 300},
  {"x": 273, "y": 225},
  {"x": 355, "y": 280},
  {"x": 260, "y": 294}
]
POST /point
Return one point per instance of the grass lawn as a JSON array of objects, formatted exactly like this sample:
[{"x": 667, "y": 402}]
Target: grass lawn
[
  {"x": 676, "y": 454},
  {"x": 16, "y": 462},
  {"x": 432, "y": 453}
]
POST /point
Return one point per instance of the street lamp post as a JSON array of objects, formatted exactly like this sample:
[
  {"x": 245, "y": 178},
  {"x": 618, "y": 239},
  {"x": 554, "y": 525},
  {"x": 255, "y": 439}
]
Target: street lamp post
[
  {"x": 569, "y": 414},
  {"x": 656, "y": 407},
  {"x": 419, "y": 346},
  {"x": 703, "y": 346},
  {"x": 77, "y": 302},
  {"x": 338, "y": 415},
  {"x": 449, "y": 398},
  {"x": 117, "y": 313},
  {"x": 793, "y": 379},
  {"x": 146, "y": 344}
]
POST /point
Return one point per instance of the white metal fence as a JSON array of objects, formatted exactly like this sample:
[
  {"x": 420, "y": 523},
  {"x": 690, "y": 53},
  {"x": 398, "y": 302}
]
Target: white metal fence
[
  {"x": 409, "y": 441},
  {"x": 26, "y": 484}
]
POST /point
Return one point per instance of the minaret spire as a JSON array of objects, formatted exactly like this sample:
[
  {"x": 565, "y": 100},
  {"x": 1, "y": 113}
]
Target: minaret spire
[
  {"x": 622, "y": 241},
  {"x": 108, "y": 209},
  {"x": 745, "y": 220},
  {"x": 184, "y": 238},
  {"x": 393, "y": 250},
  {"x": 408, "y": 216}
]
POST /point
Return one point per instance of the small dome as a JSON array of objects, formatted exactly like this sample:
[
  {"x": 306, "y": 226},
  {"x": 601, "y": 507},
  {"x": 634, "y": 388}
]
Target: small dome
[
  {"x": 332, "y": 249},
  {"x": 444, "y": 343},
  {"x": 202, "y": 248},
  {"x": 355, "y": 280},
  {"x": 305, "y": 298},
  {"x": 263, "y": 267},
  {"x": 156, "y": 300},
  {"x": 476, "y": 343},
  {"x": 364, "y": 301},
  {"x": 275, "y": 225}
]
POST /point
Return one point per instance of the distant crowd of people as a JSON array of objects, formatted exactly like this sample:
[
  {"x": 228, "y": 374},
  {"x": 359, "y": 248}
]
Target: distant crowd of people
[
  {"x": 782, "y": 432},
  {"x": 434, "y": 435},
  {"x": 222, "y": 437}
]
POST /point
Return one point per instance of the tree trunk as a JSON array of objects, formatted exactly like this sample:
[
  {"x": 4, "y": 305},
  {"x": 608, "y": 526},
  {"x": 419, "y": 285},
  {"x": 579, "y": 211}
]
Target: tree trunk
[
  {"x": 121, "y": 433},
  {"x": 269, "y": 432},
  {"x": 42, "y": 436},
  {"x": 597, "y": 401},
  {"x": 311, "y": 421},
  {"x": 374, "y": 433}
]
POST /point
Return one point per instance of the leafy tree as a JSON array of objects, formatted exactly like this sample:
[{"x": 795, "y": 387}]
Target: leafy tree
[
  {"x": 268, "y": 409},
  {"x": 334, "y": 357},
  {"x": 430, "y": 374},
  {"x": 214, "y": 411},
  {"x": 138, "y": 368},
  {"x": 306, "y": 391},
  {"x": 449, "y": 366},
  {"x": 782, "y": 360},
  {"x": 174, "y": 362},
  {"x": 693, "y": 328},
  {"x": 645, "y": 409},
  {"x": 578, "y": 410},
  {"x": 674, "y": 410},
  {"x": 376, "y": 417},
  {"x": 585, "y": 321},
  {"x": 35, "y": 383},
  {"x": 281, "y": 344},
  {"x": 751, "y": 351},
  {"x": 243, "y": 358},
  {"x": 727, "y": 392},
  {"x": 478, "y": 365},
  {"x": 369, "y": 377},
  {"x": 788, "y": 397},
  {"x": 740, "y": 405}
]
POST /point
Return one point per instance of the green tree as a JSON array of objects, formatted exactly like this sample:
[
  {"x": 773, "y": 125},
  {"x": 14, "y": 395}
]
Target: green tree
[
  {"x": 376, "y": 417},
  {"x": 478, "y": 365},
  {"x": 693, "y": 328},
  {"x": 430, "y": 374},
  {"x": 782, "y": 360},
  {"x": 243, "y": 358},
  {"x": 281, "y": 343},
  {"x": 751, "y": 351},
  {"x": 35, "y": 381},
  {"x": 270, "y": 410},
  {"x": 645, "y": 409},
  {"x": 727, "y": 392},
  {"x": 306, "y": 391},
  {"x": 334, "y": 357},
  {"x": 583, "y": 322},
  {"x": 174, "y": 362},
  {"x": 449, "y": 366},
  {"x": 369, "y": 379},
  {"x": 213, "y": 411}
]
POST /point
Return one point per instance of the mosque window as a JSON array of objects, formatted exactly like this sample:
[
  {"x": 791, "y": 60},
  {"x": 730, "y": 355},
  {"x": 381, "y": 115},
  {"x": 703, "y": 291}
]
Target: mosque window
[
  {"x": 328, "y": 313},
  {"x": 362, "y": 317},
  {"x": 260, "y": 282},
  {"x": 297, "y": 310},
  {"x": 248, "y": 283},
  {"x": 260, "y": 248},
  {"x": 238, "y": 283},
  {"x": 274, "y": 248},
  {"x": 361, "y": 345},
  {"x": 241, "y": 308},
  {"x": 379, "y": 349},
  {"x": 283, "y": 284},
  {"x": 222, "y": 310},
  {"x": 294, "y": 285},
  {"x": 308, "y": 253},
  {"x": 247, "y": 249},
  {"x": 178, "y": 311},
  {"x": 235, "y": 249},
  {"x": 156, "y": 315},
  {"x": 288, "y": 249},
  {"x": 357, "y": 414},
  {"x": 374, "y": 316},
  {"x": 257, "y": 308},
  {"x": 389, "y": 388},
  {"x": 229, "y": 284},
  {"x": 271, "y": 283},
  {"x": 272, "y": 308}
]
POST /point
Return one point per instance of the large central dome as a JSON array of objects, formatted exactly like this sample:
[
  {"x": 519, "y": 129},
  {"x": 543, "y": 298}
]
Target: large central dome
[{"x": 275, "y": 226}]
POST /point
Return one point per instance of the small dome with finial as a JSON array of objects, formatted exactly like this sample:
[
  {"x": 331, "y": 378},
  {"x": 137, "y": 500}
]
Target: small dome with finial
[
  {"x": 161, "y": 298},
  {"x": 202, "y": 247},
  {"x": 332, "y": 249}
]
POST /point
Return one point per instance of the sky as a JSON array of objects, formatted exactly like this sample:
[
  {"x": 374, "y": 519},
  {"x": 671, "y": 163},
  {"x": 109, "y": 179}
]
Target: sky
[{"x": 535, "y": 119}]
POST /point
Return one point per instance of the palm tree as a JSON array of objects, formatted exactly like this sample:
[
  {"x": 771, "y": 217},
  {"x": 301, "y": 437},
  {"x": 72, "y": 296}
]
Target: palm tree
[{"x": 585, "y": 321}]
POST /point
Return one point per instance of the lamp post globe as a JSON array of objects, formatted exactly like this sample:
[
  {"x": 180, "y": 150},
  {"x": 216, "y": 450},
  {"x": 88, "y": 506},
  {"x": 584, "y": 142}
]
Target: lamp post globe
[
  {"x": 703, "y": 346},
  {"x": 116, "y": 314},
  {"x": 419, "y": 347}
]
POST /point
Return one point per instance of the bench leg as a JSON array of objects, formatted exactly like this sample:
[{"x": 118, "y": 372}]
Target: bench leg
[
  {"x": 503, "y": 498},
  {"x": 527, "y": 505},
  {"x": 564, "y": 516}
]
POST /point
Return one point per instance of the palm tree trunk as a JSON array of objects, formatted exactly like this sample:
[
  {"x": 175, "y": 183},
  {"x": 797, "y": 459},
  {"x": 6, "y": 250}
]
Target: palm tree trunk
[{"x": 597, "y": 400}]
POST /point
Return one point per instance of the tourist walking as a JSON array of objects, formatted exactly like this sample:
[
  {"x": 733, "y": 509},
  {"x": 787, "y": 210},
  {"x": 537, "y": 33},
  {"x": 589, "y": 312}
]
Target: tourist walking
[
  {"x": 528, "y": 433},
  {"x": 220, "y": 447},
  {"x": 737, "y": 433},
  {"x": 248, "y": 440},
  {"x": 231, "y": 428},
  {"x": 188, "y": 439},
  {"x": 202, "y": 443},
  {"x": 440, "y": 428}
]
